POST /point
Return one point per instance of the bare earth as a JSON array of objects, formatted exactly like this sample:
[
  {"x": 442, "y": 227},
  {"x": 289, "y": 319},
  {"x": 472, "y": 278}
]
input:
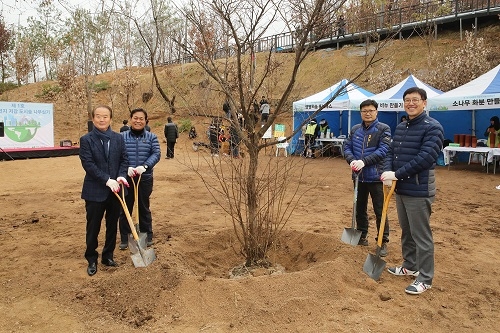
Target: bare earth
[{"x": 45, "y": 287}]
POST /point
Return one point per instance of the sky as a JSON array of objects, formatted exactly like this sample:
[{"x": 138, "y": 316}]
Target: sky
[{"x": 16, "y": 12}]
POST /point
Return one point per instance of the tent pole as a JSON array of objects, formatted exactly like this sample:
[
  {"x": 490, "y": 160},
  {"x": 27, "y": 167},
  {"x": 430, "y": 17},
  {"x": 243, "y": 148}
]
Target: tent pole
[
  {"x": 348, "y": 123},
  {"x": 474, "y": 122}
]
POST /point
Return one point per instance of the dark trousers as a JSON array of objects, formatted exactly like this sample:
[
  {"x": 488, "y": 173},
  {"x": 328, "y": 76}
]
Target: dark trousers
[
  {"x": 170, "y": 149},
  {"x": 376, "y": 191},
  {"x": 145, "y": 219},
  {"x": 110, "y": 209},
  {"x": 309, "y": 143}
]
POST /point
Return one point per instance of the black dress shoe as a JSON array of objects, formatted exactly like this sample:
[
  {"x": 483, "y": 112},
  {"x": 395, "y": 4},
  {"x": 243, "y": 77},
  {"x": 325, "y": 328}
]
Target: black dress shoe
[
  {"x": 109, "y": 262},
  {"x": 92, "y": 269}
]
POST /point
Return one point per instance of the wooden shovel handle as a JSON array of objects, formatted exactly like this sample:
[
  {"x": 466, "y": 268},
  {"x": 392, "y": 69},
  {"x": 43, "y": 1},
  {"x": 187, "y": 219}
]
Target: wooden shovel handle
[
  {"x": 387, "y": 197},
  {"x": 136, "y": 199},
  {"x": 127, "y": 214}
]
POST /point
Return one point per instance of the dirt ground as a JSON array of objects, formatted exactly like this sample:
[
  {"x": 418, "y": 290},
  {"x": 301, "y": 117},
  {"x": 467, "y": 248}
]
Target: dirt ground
[{"x": 45, "y": 287}]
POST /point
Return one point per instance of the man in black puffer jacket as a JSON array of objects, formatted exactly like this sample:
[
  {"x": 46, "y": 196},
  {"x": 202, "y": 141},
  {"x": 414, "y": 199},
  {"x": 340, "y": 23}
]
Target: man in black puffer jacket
[
  {"x": 365, "y": 150},
  {"x": 411, "y": 161}
]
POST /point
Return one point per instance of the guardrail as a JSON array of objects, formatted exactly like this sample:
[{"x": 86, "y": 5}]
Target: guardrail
[{"x": 359, "y": 25}]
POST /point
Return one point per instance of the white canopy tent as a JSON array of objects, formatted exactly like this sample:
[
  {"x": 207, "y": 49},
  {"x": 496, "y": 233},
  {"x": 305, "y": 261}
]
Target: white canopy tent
[{"x": 480, "y": 97}]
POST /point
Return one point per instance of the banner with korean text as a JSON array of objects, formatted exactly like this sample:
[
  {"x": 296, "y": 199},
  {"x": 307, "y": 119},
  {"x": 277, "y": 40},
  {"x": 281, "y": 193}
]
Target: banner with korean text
[{"x": 27, "y": 125}]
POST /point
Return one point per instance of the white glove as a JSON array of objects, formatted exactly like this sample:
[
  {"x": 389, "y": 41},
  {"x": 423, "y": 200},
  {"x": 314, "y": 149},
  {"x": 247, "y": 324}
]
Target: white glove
[
  {"x": 357, "y": 165},
  {"x": 123, "y": 181},
  {"x": 387, "y": 182},
  {"x": 352, "y": 164},
  {"x": 140, "y": 170},
  {"x": 388, "y": 175},
  {"x": 113, "y": 185},
  {"x": 131, "y": 172}
]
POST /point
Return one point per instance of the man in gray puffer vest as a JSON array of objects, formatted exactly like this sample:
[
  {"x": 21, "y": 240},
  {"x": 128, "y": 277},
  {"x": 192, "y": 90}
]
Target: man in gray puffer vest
[
  {"x": 171, "y": 134},
  {"x": 365, "y": 150},
  {"x": 411, "y": 161}
]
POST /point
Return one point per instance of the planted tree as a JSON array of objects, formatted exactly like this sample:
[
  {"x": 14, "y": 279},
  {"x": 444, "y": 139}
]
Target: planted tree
[{"x": 222, "y": 38}]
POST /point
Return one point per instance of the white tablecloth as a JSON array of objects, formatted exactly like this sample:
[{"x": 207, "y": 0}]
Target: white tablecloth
[{"x": 489, "y": 154}]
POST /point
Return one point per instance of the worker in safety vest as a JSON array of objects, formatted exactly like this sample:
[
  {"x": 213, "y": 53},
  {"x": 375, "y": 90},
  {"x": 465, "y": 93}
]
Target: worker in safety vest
[{"x": 312, "y": 132}]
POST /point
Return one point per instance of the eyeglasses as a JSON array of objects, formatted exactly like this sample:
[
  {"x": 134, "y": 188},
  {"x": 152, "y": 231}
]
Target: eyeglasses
[
  {"x": 368, "y": 111},
  {"x": 413, "y": 100}
]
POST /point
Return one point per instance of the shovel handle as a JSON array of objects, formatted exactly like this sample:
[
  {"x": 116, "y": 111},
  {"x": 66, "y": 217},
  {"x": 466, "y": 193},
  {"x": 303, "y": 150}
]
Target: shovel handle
[
  {"x": 387, "y": 196},
  {"x": 136, "y": 199},
  {"x": 355, "y": 199},
  {"x": 127, "y": 214}
]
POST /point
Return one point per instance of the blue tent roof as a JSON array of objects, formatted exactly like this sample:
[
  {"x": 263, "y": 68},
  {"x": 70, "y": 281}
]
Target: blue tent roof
[
  {"x": 346, "y": 93},
  {"x": 392, "y": 98},
  {"x": 479, "y": 94}
]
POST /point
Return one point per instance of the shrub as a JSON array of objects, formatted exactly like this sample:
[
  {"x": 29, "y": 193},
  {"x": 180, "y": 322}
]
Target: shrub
[
  {"x": 7, "y": 86},
  {"x": 49, "y": 91},
  {"x": 184, "y": 125},
  {"x": 100, "y": 86}
]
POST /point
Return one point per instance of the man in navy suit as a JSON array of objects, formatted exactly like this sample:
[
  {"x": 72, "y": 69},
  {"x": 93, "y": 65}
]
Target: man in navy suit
[{"x": 105, "y": 161}]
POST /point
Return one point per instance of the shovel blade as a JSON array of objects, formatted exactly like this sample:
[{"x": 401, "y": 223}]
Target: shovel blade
[
  {"x": 351, "y": 236},
  {"x": 374, "y": 265},
  {"x": 143, "y": 258},
  {"x": 132, "y": 243},
  {"x": 141, "y": 255}
]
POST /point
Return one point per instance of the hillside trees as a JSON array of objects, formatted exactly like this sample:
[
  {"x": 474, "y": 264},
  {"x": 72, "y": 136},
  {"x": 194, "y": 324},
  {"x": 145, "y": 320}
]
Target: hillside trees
[
  {"x": 222, "y": 37},
  {"x": 463, "y": 65},
  {"x": 89, "y": 54},
  {"x": 155, "y": 27},
  {"x": 5, "y": 47}
]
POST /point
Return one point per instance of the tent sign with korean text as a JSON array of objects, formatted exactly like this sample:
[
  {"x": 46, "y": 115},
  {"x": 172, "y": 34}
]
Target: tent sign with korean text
[
  {"x": 390, "y": 101},
  {"x": 467, "y": 109},
  {"x": 332, "y": 113}
]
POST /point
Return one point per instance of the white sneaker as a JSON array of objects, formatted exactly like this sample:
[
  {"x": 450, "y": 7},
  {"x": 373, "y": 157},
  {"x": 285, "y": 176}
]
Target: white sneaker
[
  {"x": 402, "y": 271},
  {"x": 417, "y": 287}
]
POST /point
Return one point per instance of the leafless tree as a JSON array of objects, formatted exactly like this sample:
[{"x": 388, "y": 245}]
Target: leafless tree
[{"x": 254, "y": 192}]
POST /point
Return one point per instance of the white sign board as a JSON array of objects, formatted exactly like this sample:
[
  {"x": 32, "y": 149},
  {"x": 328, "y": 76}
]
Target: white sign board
[
  {"x": 269, "y": 133},
  {"x": 27, "y": 125}
]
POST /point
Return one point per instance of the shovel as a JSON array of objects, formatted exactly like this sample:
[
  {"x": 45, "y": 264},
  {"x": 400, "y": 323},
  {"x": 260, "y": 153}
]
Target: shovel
[
  {"x": 374, "y": 264},
  {"x": 142, "y": 235},
  {"x": 351, "y": 235},
  {"x": 141, "y": 256}
]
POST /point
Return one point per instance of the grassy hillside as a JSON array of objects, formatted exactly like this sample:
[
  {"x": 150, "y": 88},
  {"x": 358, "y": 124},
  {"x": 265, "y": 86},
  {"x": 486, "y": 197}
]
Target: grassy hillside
[{"x": 195, "y": 94}]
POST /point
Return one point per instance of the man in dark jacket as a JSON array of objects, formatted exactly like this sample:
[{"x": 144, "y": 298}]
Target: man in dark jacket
[
  {"x": 104, "y": 159},
  {"x": 411, "y": 161},
  {"x": 143, "y": 151},
  {"x": 171, "y": 134},
  {"x": 365, "y": 150}
]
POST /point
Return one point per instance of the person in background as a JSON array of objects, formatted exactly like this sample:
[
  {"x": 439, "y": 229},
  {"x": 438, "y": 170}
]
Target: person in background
[
  {"x": 171, "y": 134},
  {"x": 403, "y": 119},
  {"x": 104, "y": 159},
  {"x": 147, "y": 128},
  {"x": 411, "y": 161},
  {"x": 265, "y": 109},
  {"x": 365, "y": 150},
  {"x": 323, "y": 127},
  {"x": 192, "y": 133},
  {"x": 143, "y": 151},
  {"x": 312, "y": 131},
  {"x": 493, "y": 128},
  {"x": 341, "y": 26},
  {"x": 234, "y": 141},
  {"x": 226, "y": 107},
  {"x": 125, "y": 127},
  {"x": 213, "y": 135}
]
